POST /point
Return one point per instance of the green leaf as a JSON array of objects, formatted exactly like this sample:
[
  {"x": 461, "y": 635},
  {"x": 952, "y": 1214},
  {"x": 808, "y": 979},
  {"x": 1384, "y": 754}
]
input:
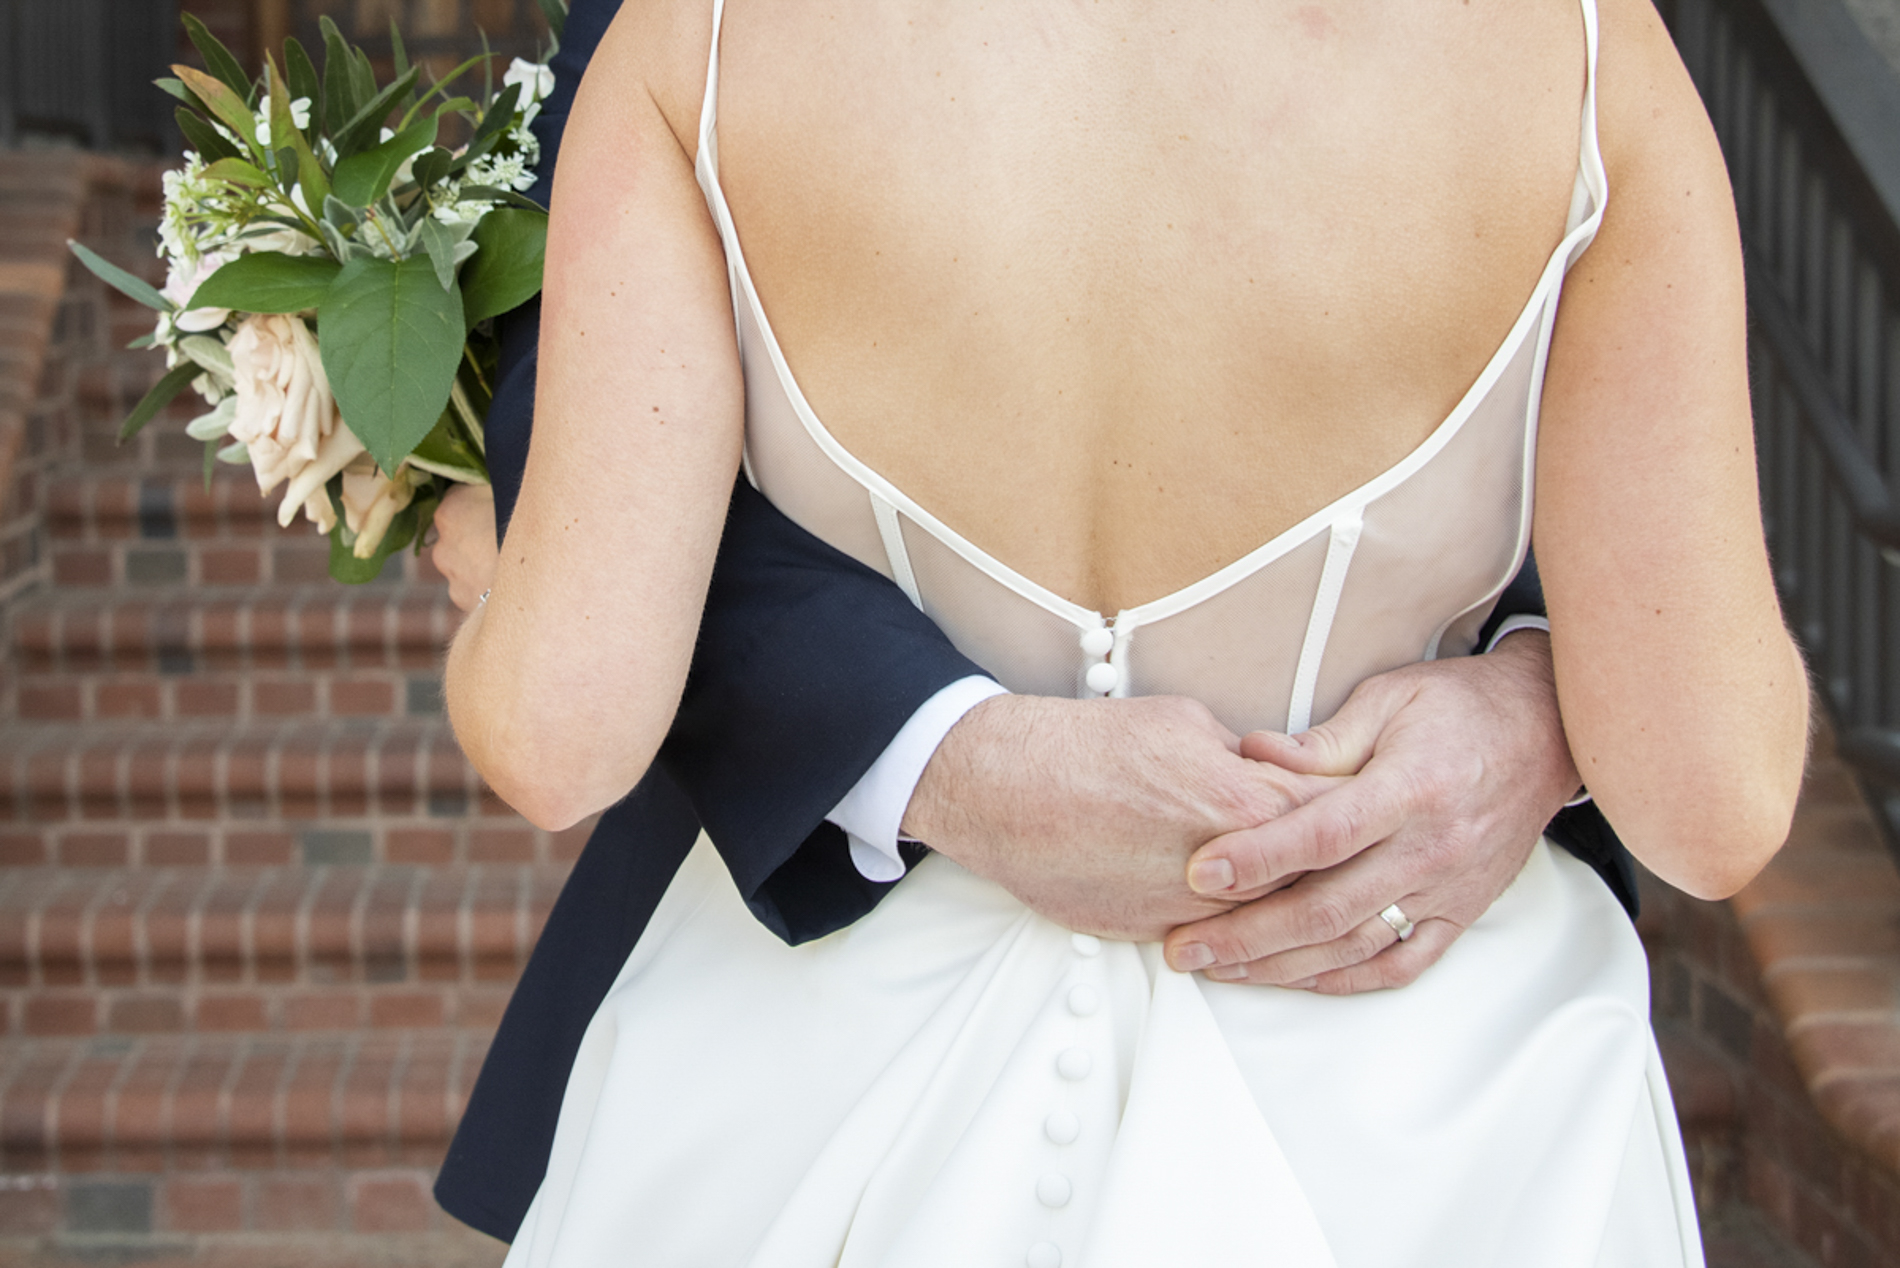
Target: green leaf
[
  {"x": 239, "y": 172},
  {"x": 447, "y": 453},
  {"x": 496, "y": 194},
  {"x": 347, "y": 568},
  {"x": 159, "y": 397},
  {"x": 362, "y": 178},
  {"x": 268, "y": 282},
  {"x": 430, "y": 168},
  {"x": 363, "y": 126},
  {"x": 362, "y": 75},
  {"x": 297, "y": 155},
  {"x": 117, "y": 278},
  {"x": 506, "y": 270},
  {"x": 500, "y": 114},
  {"x": 399, "y": 59},
  {"x": 437, "y": 241},
  {"x": 222, "y": 102},
  {"x": 143, "y": 341},
  {"x": 391, "y": 339},
  {"x": 203, "y": 138},
  {"x": 339, "y": 99},
  {"x": 555, "y": 11},
  {"x": 302, "y": 74},
  {"x": 218, "y": 59},
  {"x": 442, "y": 85}
]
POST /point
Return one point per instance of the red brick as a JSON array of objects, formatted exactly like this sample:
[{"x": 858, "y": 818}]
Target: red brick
[
  {"x": 128, "y": 700},
  {"x": 95, "y": 849},
  {"x": 50, "y": 702},
  {"x": 289, "y": 1203},
  {"x": 230, "y": 566},
  {"x": 177, "y": 849},
  {"x": 60, "y": 1015},
  {"x": 418, "y": 845},
  {"x": 82, "y": 566},
  {"x": 201, "y": 1204},
  {"x": 32, "y": 1209},
  {"x": 198, "y": 698},
  {"x": 501, "y": 845},
  {"x": 152, "y": 1014},
  {"x": 323, "y": 1010},
  {"x": 259, "y": 848},
  {"x": 386, "y": 1203},
  {"x": 361, "y": 697},
  {"x": 414, "y": 1010},
  {"x": 238, "y": 1012},
  {"x": 283, "y": 699},
  {"x": 23, "y": 849}
]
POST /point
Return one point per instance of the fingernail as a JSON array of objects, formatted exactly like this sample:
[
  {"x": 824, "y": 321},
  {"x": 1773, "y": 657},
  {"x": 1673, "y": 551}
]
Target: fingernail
[
  {"x": 1211, "y": 876},
  {"x": 1304, "y": 984},
  {"x": 1229, "y": 973},
  {"x": 1192, "y": 956}
]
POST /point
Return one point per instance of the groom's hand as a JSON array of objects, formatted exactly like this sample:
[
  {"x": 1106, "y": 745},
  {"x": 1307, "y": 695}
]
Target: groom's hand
[
  {"x": 1459, "y": 765},
  {"x": 1088, "y": 810}
]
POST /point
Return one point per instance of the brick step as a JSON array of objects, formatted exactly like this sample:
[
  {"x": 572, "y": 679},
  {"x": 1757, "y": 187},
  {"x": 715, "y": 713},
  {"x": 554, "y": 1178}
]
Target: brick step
[
  {"x": 323, "y": 650},
  {"x": 240, "y": 1102},
  {"x": 207, "y": 775},
  {"x": 156, "y": 929},
  {"x": 276, "y": 556}
]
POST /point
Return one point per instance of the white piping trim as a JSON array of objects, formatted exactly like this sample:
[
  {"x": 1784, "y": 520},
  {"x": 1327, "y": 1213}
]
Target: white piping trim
[
  {"x": 1319, "y": 628},
  {"x": 892, "y": 534}
]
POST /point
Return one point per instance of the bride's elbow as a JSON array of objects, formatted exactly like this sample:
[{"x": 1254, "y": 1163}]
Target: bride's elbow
[
  {"x": 1712, "y": 846},
  {"x": 550, "y": 771}
]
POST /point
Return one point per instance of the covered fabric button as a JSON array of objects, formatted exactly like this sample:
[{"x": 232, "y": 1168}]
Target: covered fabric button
[
  {"x": 1074, "y": 1064},
  {"x": 1083, "y": 1001},
  {"x": 1085, "y": 943},
  {"x": 1062, "y": 1127},
  {"x": 1102, "y": 677},
  {"x": 1098, "y": 642},
  {"x": 1044, "y": 1255},
  {"x": 1054, "y": 1190}
]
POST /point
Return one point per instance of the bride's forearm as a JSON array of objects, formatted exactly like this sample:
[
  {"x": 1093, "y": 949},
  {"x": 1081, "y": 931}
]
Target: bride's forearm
[{"x": 563, "y": 686}]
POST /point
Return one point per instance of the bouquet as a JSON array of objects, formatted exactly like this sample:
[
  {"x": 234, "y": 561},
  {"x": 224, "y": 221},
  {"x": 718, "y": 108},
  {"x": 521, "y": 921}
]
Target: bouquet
[{"x": 332, "y": 273}]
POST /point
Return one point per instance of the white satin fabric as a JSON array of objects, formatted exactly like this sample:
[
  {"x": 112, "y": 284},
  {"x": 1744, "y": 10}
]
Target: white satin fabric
[
  {"x": 899, "y": 1095},
  {"x": 955, "y": 1082}
]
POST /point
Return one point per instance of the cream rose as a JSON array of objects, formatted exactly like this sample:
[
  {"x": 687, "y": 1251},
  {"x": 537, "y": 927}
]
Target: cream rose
[
  {"x": 371, "y": 500},
  {"x": 286, "y": 416}
]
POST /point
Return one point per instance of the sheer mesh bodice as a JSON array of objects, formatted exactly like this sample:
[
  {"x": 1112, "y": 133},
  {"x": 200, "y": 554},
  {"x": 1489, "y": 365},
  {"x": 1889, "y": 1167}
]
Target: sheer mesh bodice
[{"x": 1405, "y": 567}]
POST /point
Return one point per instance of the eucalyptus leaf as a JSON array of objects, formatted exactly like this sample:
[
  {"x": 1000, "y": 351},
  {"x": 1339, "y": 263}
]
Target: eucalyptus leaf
[
  {"x": 215, "y": 424},
  {"x": 210, "y": 355},
  {"x": 229, "y": 108},
  {"x": 340, "y": 213},
  {"x": 143, "y": 341},
  {"x": 158, "y": 398},
  {"x": 506, "y": 271},
  {"x": 391, "y": 341},
  {"x": 301, "y": 72},
  {"x": 125, "y": 283},
  {"x": 235, "y": 453},
  {"x": 202, "y": 137},
  {"x": 364, "y": 177},
  {"x": 268, "y": 282},
  {"x": 238, "y": 172},
  {"x": 431, "y": 167},
  {"x": 339, "y": 98},
  {"x": 437, "y": 241},
  {"x": 362, "y": 129},
  {"x": 218, "y": 59}
]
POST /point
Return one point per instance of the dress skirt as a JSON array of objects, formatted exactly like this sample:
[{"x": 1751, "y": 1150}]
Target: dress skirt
[{"x": 955, "y": 1082}]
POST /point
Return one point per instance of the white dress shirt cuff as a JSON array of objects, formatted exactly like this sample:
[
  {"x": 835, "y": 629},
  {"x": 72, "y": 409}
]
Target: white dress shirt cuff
[{"x": 872, "y": 813}]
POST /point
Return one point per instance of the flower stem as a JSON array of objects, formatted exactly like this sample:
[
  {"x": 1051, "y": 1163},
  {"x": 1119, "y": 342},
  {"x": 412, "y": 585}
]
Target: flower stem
[{"x": 466, "y": 415}]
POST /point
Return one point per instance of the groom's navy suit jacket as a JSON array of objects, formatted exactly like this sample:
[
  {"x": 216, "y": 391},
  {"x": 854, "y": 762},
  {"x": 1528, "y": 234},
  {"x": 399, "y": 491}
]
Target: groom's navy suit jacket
[{"x": 808, "y": 664}]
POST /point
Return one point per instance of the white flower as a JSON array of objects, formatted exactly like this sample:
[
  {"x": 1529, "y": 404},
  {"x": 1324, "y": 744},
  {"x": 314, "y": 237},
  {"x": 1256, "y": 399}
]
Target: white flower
[
  {"x": 501, "y": 172},
  {"x": 286, "y": 416},
  {"x": 182, "y": 280},
  {"x": 299, "y": 119},
  {"x": 371, "y": 500},
  {"x": 536, "y": 79},
  {"x": 280, "y": 238}
]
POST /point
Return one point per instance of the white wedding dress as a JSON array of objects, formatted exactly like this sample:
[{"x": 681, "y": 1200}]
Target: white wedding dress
[{"x": 955, "y": 1082}]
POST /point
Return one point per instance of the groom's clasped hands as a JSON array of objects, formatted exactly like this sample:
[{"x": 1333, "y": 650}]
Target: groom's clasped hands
[{"x": 1265, "y": 859}]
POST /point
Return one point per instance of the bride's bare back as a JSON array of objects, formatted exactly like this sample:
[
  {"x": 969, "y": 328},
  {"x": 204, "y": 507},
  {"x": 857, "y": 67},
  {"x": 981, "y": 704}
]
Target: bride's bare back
[{"x": 1119, "y": 291}]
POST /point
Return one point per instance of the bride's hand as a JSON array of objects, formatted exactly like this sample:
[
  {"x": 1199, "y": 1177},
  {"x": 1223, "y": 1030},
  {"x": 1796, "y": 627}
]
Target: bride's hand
[
  {"x": 465, "y": 550},
  {"x": 1088, "y": 810},
  {"x": 1460, "y": 764}
]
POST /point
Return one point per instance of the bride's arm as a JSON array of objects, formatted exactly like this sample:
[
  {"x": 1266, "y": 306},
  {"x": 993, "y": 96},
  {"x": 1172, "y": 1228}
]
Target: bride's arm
[
  {"x": 1684, "y": 698},
  {"x": 562, "y": 685}
]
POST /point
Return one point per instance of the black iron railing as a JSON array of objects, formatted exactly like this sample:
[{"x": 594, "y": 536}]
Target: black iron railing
[
  {"x": 83, "y": 69},
  {"x": 1809, "y": 119}
]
